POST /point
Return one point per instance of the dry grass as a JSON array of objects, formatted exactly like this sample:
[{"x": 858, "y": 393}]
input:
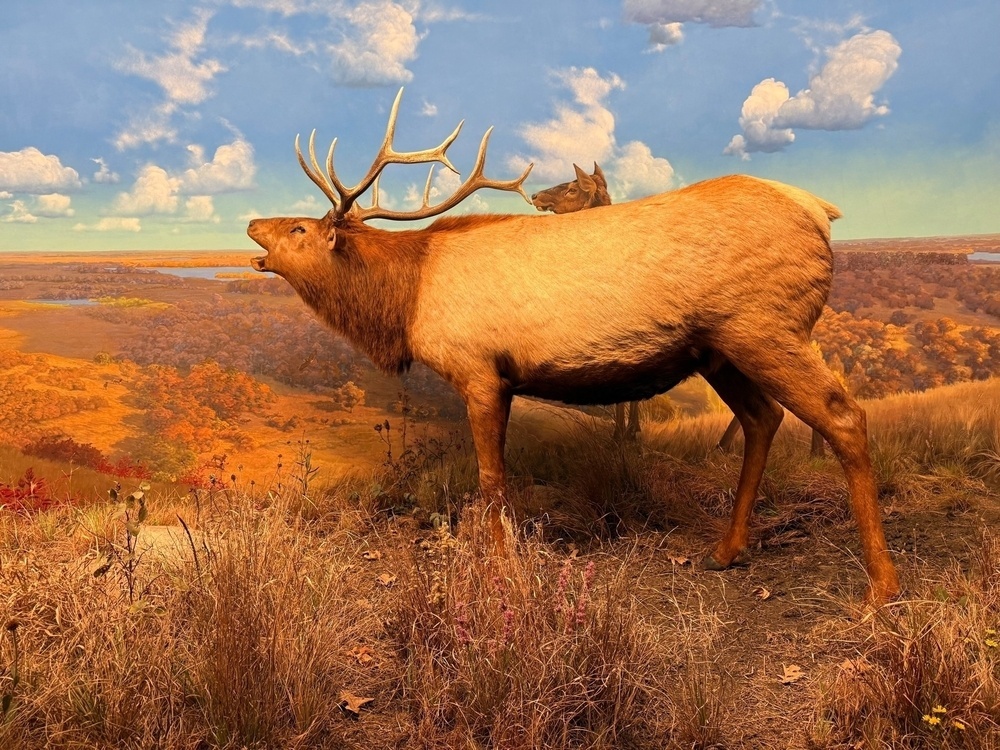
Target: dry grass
[
  {"x": 927, "y": 670},
  {"x": 247, "y": 636}
]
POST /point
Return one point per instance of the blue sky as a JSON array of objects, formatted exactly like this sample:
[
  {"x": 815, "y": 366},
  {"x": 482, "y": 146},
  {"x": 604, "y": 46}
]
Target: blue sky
[{"x": 164, "y": 124}]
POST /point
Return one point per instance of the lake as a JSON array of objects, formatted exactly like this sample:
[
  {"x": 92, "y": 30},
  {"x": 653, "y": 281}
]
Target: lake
[{"x": 984, "y": 257}]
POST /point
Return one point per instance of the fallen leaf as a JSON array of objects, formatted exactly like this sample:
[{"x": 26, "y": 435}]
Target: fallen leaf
[
  {"x": 372, "y": 554},
  {"x": 386, "y": 579},
  {"x": 364, "y": 655},
  {"x": 353, "y": 703},
  {"x": 680, "y": 560},
  {"x": 792, "y": 673},
  {"x": 762, "y": 593}
]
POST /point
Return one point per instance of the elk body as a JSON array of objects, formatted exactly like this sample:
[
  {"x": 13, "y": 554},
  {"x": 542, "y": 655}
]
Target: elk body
[
  {"x": 591, "y": 191},
  {"x": 588, "y": 191},
  {"x": 725, "y": 278}
]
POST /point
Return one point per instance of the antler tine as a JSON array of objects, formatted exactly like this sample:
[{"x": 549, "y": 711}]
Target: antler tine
[
  {"x": 475, "y": 181},
  {"x": 427, "y": 188},
  {"x": 388, "y": 155},
  {"x": 316, "y": 174}
]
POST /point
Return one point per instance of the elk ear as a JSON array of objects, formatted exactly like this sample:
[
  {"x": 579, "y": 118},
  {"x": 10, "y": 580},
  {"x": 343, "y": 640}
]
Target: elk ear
[
  {"x": 331, "y": 238},
  {"x": 599, "y": 175},
  {"x": 585, "y": 181}
]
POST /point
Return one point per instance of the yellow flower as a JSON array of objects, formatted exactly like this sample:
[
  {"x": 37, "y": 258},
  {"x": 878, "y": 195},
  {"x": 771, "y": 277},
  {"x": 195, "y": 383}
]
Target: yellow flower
[
  {"x": 939, "y": 709},
  {"x": 958, "y": 725},
  {"x": 991, "y": 631},
  {"x": 932, "y": 720},
  {"x": 992, "y": 643}
]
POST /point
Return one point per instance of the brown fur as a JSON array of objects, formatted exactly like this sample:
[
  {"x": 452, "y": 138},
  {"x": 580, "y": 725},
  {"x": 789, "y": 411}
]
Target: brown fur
[{"x": 726, "y": 278}]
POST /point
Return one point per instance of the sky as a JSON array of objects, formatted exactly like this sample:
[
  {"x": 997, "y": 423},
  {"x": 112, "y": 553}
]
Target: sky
[{"x": 169, "y": 125}]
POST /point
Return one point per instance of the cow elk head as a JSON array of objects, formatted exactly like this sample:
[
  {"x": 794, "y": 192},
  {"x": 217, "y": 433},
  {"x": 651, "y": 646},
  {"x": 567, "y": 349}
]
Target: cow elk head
[{"x": 586, "y": 191}]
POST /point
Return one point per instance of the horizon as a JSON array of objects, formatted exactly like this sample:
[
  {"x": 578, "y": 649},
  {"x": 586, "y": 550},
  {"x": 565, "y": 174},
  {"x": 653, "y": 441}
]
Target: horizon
[{"x": 166, "y": 127}]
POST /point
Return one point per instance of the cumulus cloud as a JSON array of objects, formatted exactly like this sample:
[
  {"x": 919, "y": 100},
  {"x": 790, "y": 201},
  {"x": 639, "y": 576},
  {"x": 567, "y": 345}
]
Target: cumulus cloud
[
  {"x": 428, "y": 109},
  {"x": 104, "y": 175},
  {"x": 53, "y": 205},
  {"x": 841, "y": 96},
  {"x": 200, "y": 209},
  {"x": 111, "y": 224},
  {"x": 583, "y": 132},
  {"x": 757, "y": 120},
  {"x": 31, "y": 171},
  {"x": 154, "y": 192},
  {"x": 380, "y": 41},
  {"x": 445, "y": 184},
  {"x": 19, "y": 214},
  {"x": 149, "y": 128},
  {"x": 665, "y": 18},
  {"x": 232, "y": 168},
  {"x": 4, "y": 195}
]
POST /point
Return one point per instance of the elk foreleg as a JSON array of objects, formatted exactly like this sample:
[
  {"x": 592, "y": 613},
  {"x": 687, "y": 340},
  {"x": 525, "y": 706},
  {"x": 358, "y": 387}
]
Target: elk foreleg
[
  {"x": 619, "y": 433},
  {"x": 489, "y": 411},
  {"x": 760, "y": 417}
]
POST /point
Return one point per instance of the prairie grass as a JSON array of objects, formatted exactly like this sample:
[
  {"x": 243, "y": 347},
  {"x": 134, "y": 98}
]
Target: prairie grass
[
  {"x": 926, "y": 673},
  {"x": 291, "y": 594}
]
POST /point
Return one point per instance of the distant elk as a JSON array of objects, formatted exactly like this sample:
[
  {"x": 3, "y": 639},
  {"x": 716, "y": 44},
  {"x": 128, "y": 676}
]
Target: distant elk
[
  {"x": 591, "y": 191},
  {"x": 725, "y": 278}
]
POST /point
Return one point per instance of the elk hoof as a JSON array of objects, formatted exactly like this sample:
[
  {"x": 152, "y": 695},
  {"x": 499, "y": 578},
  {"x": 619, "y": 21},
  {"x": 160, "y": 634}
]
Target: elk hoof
[{"x": 741, "y": 560}]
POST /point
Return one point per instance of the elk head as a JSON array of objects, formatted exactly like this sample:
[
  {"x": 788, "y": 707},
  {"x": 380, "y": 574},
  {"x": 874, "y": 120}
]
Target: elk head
[
  {"x": 304, "y": 245},
  {"x": 586, "y": 191}
]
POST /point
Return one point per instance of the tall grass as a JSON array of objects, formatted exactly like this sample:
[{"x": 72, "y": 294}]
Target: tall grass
[{"x": 927, "y": 670}]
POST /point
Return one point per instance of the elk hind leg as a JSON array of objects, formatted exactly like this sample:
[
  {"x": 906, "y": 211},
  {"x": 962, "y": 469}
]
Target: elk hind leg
[
  {"x": 760, "y": 416},
  {"x": 489, "y": 413},
  {"x": 794, "y": 374}
]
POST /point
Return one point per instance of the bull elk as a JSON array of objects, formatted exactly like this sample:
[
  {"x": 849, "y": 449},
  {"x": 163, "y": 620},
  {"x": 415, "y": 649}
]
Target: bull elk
[
  {"x": 724, "y": 278},
  {"x": 591, "y": 191}
]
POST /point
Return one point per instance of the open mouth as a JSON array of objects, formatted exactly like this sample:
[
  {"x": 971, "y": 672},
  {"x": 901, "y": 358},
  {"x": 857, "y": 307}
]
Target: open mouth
[{"x": 259, "y": 263}]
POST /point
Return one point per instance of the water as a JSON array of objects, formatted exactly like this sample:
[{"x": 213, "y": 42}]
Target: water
[
  {"x": 64, "y": 302},
  {"x": 205, "y": 272},
  {"x": 984, "y": 257}
]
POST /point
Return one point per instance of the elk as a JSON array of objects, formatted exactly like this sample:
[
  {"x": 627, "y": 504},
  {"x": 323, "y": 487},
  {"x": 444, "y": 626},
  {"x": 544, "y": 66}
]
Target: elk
[
  {"x": 588, "y": 191},
  {"x": 591, "y": 191},
  {"x": 724, "y": 278}
]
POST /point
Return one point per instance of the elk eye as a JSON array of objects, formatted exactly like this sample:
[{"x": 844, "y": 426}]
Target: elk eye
[{"x": 298, "y": 230}]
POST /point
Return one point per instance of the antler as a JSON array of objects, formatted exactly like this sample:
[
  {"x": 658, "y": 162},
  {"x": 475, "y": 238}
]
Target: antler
[{"x": 344, "y": 198}]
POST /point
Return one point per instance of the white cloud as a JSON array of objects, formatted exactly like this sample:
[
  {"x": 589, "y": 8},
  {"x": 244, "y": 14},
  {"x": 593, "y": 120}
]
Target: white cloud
[
  {"x": 200, "y": 209},
  {"x": 278, "y": 40},
  {"x": 104, "y": 175},
  {"x": 445, "y": 184},
  {"x": 581, "y": 132},
  {"x": 154, "y": 192},
  {"x": 4, "y": 195},
  {"x": 232, "y": 168},
  {"x": 53, "y": 205},
  {"x": 757, "y": 120},
  {"x": 151, "y": 127},
  {"x": 375, "y": 50},
  {"x": 584, "y": 132},
  {"x": 19, "y": 214},
  {"x": 663, "y": 35},
  {"x": 841, "y": 96},
  {"x": 111, "y": 224},
  {"x": 250, "y": 215},
  {"x": 717, "y": 13},
  {"x": 635, "y": 172},
  {"x": 182, "y": 77},
  {"x": 31, "y": 171},
  {"x": 429, "y": 110}
]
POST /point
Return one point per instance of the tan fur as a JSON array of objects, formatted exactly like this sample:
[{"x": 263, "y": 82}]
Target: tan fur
[{"x": 726, "y": 277}]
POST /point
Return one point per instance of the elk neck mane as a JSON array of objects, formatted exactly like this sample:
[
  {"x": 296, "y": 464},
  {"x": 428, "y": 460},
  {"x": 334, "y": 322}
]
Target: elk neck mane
[{"x": 373, "y": 303}]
